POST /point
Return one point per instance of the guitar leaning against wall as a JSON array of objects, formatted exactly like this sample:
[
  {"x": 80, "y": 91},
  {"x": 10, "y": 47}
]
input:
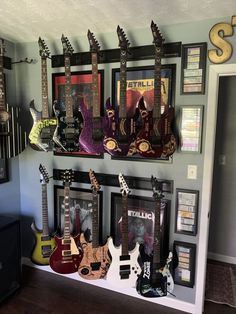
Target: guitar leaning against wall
[{"x": 44, "y": 242}]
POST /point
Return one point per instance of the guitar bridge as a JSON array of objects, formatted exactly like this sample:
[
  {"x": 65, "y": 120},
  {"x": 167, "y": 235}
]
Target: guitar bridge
[{"x": 124, "y": 271}]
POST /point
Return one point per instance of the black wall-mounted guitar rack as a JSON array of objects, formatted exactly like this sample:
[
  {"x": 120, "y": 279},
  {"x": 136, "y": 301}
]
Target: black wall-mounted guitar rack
[
  {"x": 112, "y": 180},
  {"x": 7, "y": 63},
  {"x": 113, "y": 55}
]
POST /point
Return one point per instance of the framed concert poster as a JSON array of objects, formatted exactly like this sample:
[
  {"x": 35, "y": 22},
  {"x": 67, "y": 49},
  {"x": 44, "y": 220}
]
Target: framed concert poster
[
  {"x": 81, "y": 88},
  {"x": 186, "y": 211},
  {"x": 184, "y": 273},
  {"x": 140, "y": 82},
  {"x": 3, "y": 170},
  {"x": 81, "y": 207},
  {"x": 141, "y": 221}
]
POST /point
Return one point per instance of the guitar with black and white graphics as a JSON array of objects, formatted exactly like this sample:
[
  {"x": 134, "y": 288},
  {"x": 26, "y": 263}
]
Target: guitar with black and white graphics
[
  {"x": 41, "y": 134},
  {"x": 155, "y": 279},
  {"x": 66, "y": 257},
  {"x": 67, "y": 133},
  {"x": 96, "y": 260},
  {"x": 45, "y": 243},
  {"x": 124, "y": 267}
]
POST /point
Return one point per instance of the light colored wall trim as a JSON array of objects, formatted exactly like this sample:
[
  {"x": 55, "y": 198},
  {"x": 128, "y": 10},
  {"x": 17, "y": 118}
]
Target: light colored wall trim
[{"x": 222, "y": 258}]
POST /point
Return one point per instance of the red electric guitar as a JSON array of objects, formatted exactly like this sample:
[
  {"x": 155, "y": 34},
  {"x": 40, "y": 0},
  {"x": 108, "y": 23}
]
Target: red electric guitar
[
  {"x": 155, "y": 138},
  {"x": 66, "y": 257}
]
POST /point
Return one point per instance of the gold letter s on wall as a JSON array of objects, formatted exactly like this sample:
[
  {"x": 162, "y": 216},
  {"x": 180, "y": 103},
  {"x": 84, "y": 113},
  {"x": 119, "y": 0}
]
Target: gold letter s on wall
[{"x": 224, "y": 29}]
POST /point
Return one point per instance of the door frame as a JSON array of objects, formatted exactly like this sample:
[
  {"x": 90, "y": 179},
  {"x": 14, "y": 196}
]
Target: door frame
[{"x": 215, "y": 72}]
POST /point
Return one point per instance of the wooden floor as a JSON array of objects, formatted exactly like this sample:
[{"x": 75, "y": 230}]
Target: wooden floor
[{"x": 43, "y": 292}]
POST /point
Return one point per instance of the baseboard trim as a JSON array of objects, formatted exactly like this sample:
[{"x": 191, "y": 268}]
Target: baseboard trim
[{"x": 222, "y": 258}]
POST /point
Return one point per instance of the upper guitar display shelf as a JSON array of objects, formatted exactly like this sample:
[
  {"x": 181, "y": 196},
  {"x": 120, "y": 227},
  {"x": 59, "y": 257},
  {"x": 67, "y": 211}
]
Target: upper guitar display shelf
[{"x": 113, "y": 55}]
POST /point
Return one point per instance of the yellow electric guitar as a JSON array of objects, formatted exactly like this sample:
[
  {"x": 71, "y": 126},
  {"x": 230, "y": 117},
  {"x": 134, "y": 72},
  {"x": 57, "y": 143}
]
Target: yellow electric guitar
[{"x": 44, "y": 242}]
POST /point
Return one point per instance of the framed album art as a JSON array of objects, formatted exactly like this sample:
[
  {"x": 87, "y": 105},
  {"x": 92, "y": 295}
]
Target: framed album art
[
  {"x": 184, "y": 273},
  {"x": 81, "y": 207}
]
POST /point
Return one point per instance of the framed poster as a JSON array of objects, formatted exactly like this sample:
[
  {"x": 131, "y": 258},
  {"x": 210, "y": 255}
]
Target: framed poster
[
  {"x": 141, "y": 221},
  {"x": 3, "y": 170},
  {"x": 186, "y": 211},
  {"x": 81, "y": 207},
  {"x": 184, "y": 273},
  {"x": 81, "y": 88}
]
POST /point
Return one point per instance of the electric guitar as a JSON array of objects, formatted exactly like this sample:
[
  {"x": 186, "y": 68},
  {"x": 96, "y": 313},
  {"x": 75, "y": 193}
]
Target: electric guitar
[
  {"x": 44, "y": 242},
  {"x": 91, "y": 137},
  {"x": 95, "y": 261},
  {"x": 121, "y": 130},
  {"x": 41, "y": 134},
  {"x": 67, "y": 133},
  {"x": 155, "y": 139},
  {"x": 155, "y": 279},
  {"x": 124, "y": 267},
  {"x": 66, "y": 257}
]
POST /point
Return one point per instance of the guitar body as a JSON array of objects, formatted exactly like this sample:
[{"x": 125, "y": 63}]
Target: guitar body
[
  {"x": 95, "y": 261},
  {"x": 41, "y": 134},
  {"x": 91, "y": 137},
  {"x": 43, "y": 247},
  {"x": 155, "y": 139},
  {"x": 154, "y": 282},
  {"x": 66, "y": 257},
  {"x": 124, "y": 269}
]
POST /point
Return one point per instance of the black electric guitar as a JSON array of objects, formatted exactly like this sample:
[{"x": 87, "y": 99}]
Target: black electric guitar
[
  {"x": 155, "y": 139},
  {"x": 67, "y": 133},
  {"x": 155, "y": 279},
  {"x": 66, "y": 257},
  {"x": 41, "y": 134}
]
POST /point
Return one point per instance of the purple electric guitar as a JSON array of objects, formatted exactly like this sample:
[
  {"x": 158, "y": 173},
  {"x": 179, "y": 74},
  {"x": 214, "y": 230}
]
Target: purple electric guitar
[
  {"x": 155, "y": 139},
  {"x": 91, "y": 137},
  {"x": 121, "y": 129}
]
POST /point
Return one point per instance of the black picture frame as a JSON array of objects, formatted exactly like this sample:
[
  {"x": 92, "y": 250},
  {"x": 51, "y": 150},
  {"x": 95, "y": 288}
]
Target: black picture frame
[
  {"x": 140, "y": 208},
  {"x": 140, "y": 80},
  {"x": 81, "y": 86},
  {"x": 4, "y": 177},
  {"x": 81, "y": 201},
  {"x": 193, "y": 68},
  {"x": 186, "y": 221},
  {"x": 184, "y": 273}
]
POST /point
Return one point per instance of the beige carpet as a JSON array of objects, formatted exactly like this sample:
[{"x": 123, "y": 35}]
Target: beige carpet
[{"x": 221, "y": 283}]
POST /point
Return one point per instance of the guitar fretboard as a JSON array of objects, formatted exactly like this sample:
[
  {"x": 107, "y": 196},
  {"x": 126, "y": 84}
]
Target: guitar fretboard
[
  {"x": 67, "y": 211},
  {"x": 157, "y": 235},
  {"x": 123, "y": 82},
  {"x": 68, "y": 96},
  {"x": 95, "y": 221},
  {"x": 95, "y": 90},
  {"x": 125, "y": 243},
  {"x": 2, "y": 88},
  {"x": 157, "y": 84},
  {"x": 44, "y": 80},
  {"x": 45, "y": 210}
]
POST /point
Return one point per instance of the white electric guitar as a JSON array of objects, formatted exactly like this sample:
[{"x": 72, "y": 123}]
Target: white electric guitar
[{"x": 124, "y": 269}]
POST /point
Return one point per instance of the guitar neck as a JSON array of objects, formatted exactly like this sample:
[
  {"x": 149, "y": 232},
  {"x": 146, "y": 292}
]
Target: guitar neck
[
  {"x": 157, "y": 83},
  {"x": 68, "y": 96},
  {"x": 2, "y": 86},
  {"x": 157, "y": 234},
  {"x": 45, "y": 210},
  {"x": 44, "y": 80},
  {"x": 95, "y": 222},
  {"x": 95, "y": 91},
  {"x": 123, "y": 83},
  {"x": 67, "y": 212},
  {"x": 125, "y": 243}
]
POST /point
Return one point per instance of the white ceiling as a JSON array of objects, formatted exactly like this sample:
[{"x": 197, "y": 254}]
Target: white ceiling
[{"x": 26, "y": 20}]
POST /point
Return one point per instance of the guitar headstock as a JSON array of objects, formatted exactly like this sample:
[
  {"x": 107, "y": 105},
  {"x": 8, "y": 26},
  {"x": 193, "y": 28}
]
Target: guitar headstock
[
  {"x": 94, "y": 183},
  {"x": 67, "y": 176},
  {"x": 156, "y": 188},
  {"x": 2, "y": 47},
  {"x": 157, "y": 36},
  {"x": 67, "y": 48},
  {"x": 43, "y": 49},
  {"x": 125, "y": 191},
  {"x": 44, "y": 177},
  {"x": 93, "y": 43},
  {"x": 123, "y": 41}
]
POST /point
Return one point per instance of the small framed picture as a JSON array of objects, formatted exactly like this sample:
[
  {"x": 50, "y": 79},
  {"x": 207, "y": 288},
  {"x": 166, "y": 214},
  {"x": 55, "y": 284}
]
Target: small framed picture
[
  {"x": 193, "y": 71},
  {"x": 191, "y": 119},
  {"x": 3, "y": 170},
  {"x": 81, "y": 208},
  {"x": 184, "y": 273},
  {"x": 186, "y": 211}
]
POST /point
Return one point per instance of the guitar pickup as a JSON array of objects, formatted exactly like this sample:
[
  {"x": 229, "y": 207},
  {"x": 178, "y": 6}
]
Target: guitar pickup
[
  {"x": 124, "y": 271},
  {"x": 66, "y": 252},
  {"x": 46, "y": 251},
  {"x": 65, "y": 241},
  {"x": 95, "y": 266},
  {"x": 69, "y": 131}
]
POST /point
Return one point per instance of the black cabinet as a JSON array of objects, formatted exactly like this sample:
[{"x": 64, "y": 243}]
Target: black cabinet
[{"x": 10, "y": 256}]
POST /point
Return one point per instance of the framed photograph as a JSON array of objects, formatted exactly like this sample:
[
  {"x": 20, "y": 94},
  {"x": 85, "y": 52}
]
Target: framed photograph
[
  {"x": 140, "y": 82},
  {"x": 3, "y": 170},
  {"x": 184, "y": 273},
  {"x": 190, "y": 129},
  {"x": 186, "y": 211},
  {"x": 193, "y": 71},
  {"x": 81, "y": 88},
  {"x": 141, "y": 219},
  {"x": 81, "y": 207}
]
